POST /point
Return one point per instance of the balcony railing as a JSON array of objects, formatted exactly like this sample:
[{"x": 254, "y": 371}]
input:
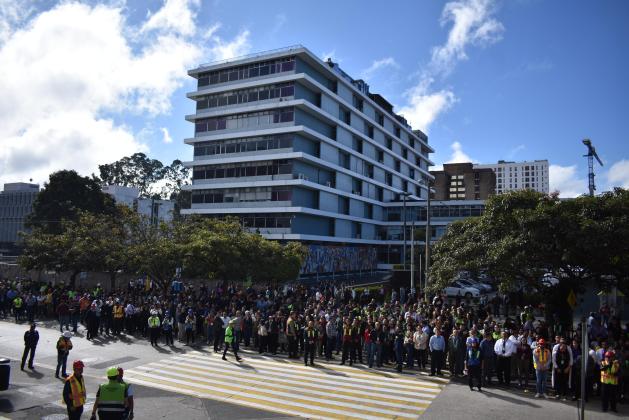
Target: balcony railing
[{"x": 253, "y": 55}]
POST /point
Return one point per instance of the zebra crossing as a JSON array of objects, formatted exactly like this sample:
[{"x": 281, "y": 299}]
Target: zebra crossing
[{"x": 326, "y": 391}]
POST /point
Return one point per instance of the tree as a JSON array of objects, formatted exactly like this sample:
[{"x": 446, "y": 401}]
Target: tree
[
  {"x": 137, "y": 171},
  {"x": 523, "y": 235},
  {"x": 64, "y": 197}
]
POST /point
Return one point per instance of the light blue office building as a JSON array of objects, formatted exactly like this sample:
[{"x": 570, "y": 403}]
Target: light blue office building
[{"x": 299, "y": 150}]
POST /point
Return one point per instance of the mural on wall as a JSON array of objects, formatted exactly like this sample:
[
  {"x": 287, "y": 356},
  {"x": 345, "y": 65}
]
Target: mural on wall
[{"x": 338, "y": 259}]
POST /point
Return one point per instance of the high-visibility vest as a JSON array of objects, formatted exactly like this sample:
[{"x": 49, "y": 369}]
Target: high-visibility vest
[
  {"x": 609, "y": 372},
  {"x": 229, "y": 334},
  {"x": 111, "y": 398},
  {"x": 542, "y": 355},
  {"x": 17, "y": 302},
  {"x": 154, "y": 322},
  {"x": 77, "y": 390}
]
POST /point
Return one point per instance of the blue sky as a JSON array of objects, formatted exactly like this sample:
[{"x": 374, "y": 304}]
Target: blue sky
[{"x": 86, "y": 83}]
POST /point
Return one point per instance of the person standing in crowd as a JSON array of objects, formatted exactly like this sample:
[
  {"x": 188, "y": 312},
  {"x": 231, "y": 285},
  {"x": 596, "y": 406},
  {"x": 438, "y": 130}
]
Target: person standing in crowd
[
  {"x": 523, "y": 360},
  {"x": 291, "y": 335},
  {"x": 420, "y": 344},
  {"x": 330, "y": 332},
  {"x": 504, "y": 349},
  {"x": 609, "y": 381},
  {"x": 229, "y": 341},
  {"x": 167, "y": 328},
  {"x": 456, "y": 352},
  {"x": 489, "y": 358},
  {"x": 118, "y": 317},
  {"x": 263, "y": 336},
  {"x": 541, "y": 363},
  {"x": 561, "y": 364},
  {"x": 218, "y": 332},
  {"x": 64, "y": 345},
  {"x": 18, "y": 306},
  {"x": 31, "y": 337},
  {"x": 473, "y": 360},
  {"x": 437, "y": 345},
  {"x": 347, "y": 352},
  {"x": 188, "y": 325},
  {"x": 74, "y": 393},
  {"x": 111, "y": 398},
  {"x": 154, "y": 325},
  {"x": 311, "y": 336}
]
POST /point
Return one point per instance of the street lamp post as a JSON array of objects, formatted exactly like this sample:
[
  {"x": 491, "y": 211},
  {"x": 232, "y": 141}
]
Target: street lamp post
[
  {"x": 404, "y": 194},
  {"x": 412, "y": 256},
  {"x": 428, "y": 236}
]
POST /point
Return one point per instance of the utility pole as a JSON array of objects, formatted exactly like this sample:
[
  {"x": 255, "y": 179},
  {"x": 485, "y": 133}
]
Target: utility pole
[
  {"x": 413, "y": 256},
  {"x": 591, "y": 155},
  {"x": 404, "y": 195}
]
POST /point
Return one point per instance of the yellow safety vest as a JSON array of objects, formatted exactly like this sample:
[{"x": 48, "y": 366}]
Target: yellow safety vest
[
  {"x": 77, "y": 390},
  {"x": 609, "y": 374}
]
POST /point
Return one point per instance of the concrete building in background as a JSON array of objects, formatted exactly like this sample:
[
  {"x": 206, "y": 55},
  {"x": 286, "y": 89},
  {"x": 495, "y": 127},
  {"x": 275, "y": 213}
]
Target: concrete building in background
[
  {"x": 463, "y": 181},
  {"x": 16, "y": 203},
  {"x": 513, "y": 176},
  {"x": 299, "y": 150},
  {"x": 157, "y": 210}
]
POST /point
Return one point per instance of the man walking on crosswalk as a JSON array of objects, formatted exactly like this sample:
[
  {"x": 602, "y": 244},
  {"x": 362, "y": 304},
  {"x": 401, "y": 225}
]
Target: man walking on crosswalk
[
  {"x": 311, "y": 336},
  {"x": 230, "y": 340}
]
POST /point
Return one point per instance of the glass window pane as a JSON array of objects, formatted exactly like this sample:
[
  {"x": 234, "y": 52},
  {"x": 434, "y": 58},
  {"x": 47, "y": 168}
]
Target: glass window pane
[{"x": 288, "y": 91}]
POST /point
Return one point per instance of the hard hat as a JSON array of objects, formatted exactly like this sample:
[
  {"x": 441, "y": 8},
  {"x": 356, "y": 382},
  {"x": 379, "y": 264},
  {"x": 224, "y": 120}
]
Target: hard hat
[
  {"x": 67, "y": 334},
  {"x": 112, "y": 371},
  {"x": 78, "y": 364}
]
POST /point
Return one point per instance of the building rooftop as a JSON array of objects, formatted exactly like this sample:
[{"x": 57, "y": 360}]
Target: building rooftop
[{"x": 20, "y": 187}]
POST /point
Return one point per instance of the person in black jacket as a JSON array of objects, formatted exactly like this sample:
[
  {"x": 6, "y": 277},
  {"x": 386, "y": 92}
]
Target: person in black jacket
[{"x": 31, "y": 337}]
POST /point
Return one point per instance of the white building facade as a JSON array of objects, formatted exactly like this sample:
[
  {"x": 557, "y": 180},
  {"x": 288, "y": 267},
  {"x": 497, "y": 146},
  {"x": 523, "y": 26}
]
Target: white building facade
[
  {"x": 513, "y": 176},
  {"x": 156, "y": 210}
]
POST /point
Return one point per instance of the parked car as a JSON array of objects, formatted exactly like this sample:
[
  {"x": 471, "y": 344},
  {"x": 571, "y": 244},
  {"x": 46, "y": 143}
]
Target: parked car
[
  {"x": 483, "y": 287},
  {"x": 458, "y": 289}
]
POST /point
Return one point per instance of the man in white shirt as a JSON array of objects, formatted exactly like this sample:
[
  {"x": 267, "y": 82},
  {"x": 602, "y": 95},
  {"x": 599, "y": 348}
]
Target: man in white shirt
[{"x": 504, "y": 349}]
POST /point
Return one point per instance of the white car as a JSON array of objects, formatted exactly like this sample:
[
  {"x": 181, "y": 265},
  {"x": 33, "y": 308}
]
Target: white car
[
  {"x": 461, "y": 290},
  {"x": 483, "y": 287}
]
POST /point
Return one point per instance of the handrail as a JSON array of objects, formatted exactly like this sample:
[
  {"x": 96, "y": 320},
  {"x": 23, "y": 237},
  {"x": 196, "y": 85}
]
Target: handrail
[{"x": 252, "y": 55}]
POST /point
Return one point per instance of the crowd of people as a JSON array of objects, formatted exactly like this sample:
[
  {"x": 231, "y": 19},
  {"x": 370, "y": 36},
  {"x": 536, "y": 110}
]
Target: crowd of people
[{"x": 331, "y": 322}]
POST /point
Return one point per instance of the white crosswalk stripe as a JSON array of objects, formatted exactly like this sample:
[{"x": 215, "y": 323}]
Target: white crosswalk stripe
[{"x": 327, "y": 391}]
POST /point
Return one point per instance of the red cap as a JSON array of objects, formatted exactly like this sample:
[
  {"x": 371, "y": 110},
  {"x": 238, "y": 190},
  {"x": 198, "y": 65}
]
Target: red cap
[
  {"x": 541, "y": 341},
  {"x": 609, "y": 354},
  {"x": 78, "y": 364}
]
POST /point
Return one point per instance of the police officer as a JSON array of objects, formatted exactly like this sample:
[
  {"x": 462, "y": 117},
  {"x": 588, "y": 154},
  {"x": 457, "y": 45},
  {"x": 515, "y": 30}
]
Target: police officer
[
  {"x": 31, "y": 337},
  {"x": 74, "y": 391},
  {"x": 230, "y": 340},
  {"x": 18, "y": 303},
  {"x": 154, "y": 324},
  {"x": 111, "y": 398}
]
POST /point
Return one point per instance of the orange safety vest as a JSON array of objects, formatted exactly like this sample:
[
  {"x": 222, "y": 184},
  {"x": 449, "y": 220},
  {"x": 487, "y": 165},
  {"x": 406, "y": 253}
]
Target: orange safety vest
[
  {"x": 65, "y": 345},
  {"x": 118, "y": 311},
  {"x": 77, "y": 390},
  {"x": 609, "y": 374}
]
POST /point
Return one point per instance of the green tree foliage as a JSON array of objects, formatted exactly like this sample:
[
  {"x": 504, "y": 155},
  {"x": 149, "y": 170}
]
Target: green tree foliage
[
  {"x": 63, "y": 197},
  {"x": 137, "y": 170},
  {"x": 524, "y": 234}
]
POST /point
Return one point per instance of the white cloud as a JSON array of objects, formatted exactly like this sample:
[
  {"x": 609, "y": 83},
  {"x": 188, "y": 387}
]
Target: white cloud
[
  {"x": 177, "y": 16},
  {"x": 566, "y": 181},
  {"x": 618, "y": 174},
  {"x": 71, "y": 73},
  {"x": 166, "y": 136},
  {"x": 378, "y": 65},
  {"x": 223, "y": 50},
  {"x": 425, "y": 104},
  {"x": 472, "y": 24},
  {"x": 457, "y": 156}
]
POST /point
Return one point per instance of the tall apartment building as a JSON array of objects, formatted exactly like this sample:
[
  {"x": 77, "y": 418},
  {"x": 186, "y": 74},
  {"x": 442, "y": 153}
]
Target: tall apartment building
[
  {"x": 16, "y": 203},
  {"x": 463, "y": 181},
  {"x": 301, "y": 151},
  {"x": 512, "y": 176}
]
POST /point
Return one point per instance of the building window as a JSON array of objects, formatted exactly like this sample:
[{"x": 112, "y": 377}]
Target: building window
[
  {"x": 379, "y": 118},
  {"x": 357, "y": 102},
  {"x": 389, "y": 141},
  {"x": 245, "y": 72},
  {"x": 237, "y": 97},
  {"x": 369, "y": 130},
  {"x": 252, "y": 119},
  {"x": 380, "y": 156},
  {"x": 357, "y": 144},
  {"x": 243, "y": 145},
  {"x": 345, "y": 115},
  {"x": 397, "y": 132}
]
